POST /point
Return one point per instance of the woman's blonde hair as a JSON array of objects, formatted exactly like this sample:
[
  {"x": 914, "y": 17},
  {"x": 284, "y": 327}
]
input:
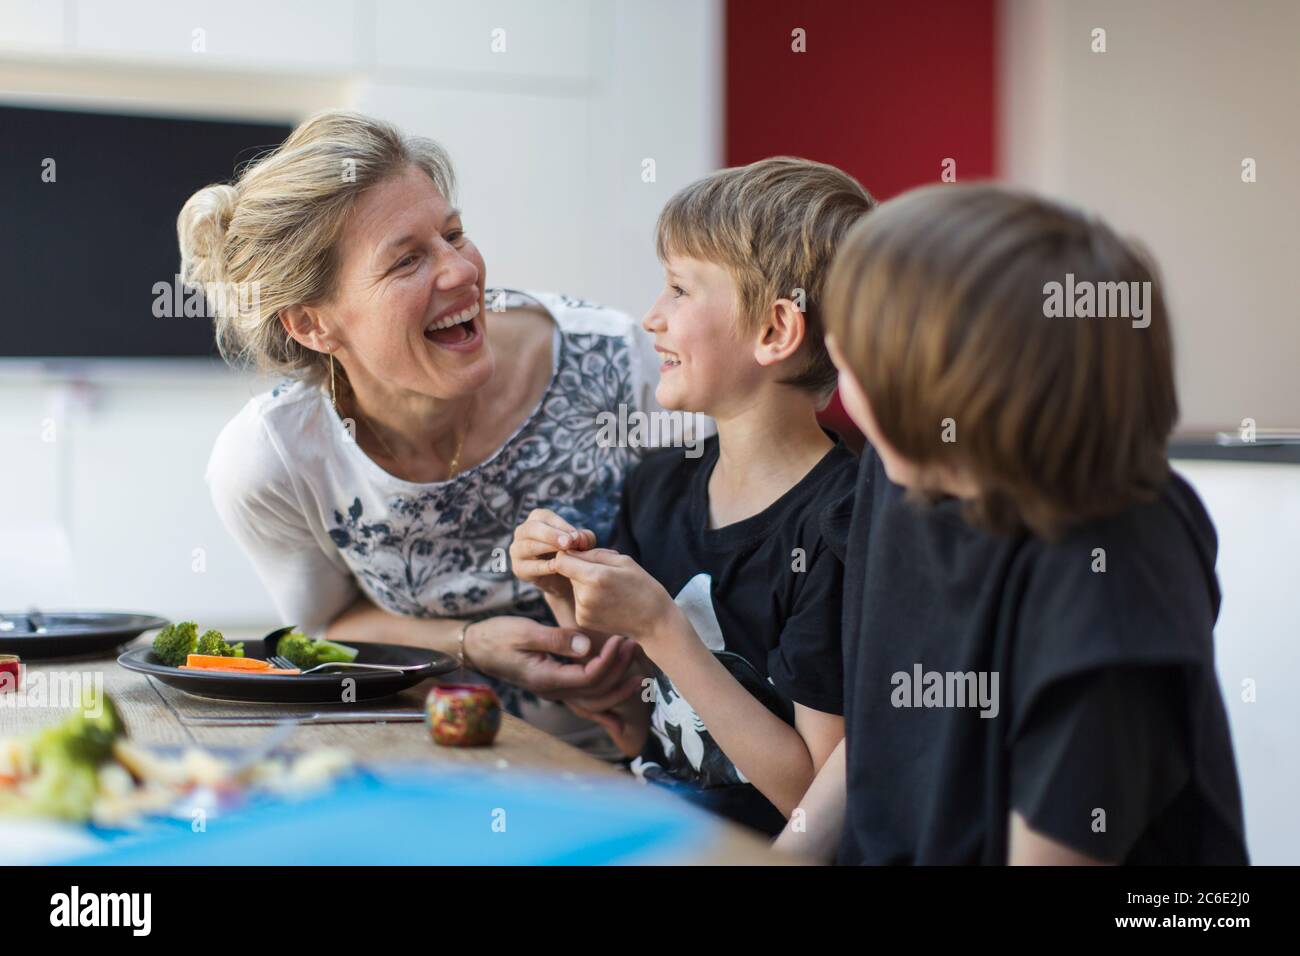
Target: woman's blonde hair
[{"x": 272, "y": 233}]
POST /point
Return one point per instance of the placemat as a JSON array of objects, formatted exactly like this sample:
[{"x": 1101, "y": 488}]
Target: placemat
[{"x": 201, "y": 711}]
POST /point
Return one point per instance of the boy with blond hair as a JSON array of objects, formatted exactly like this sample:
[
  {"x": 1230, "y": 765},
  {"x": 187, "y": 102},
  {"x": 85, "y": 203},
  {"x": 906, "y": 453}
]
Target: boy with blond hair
[{"x": 719, "y": 567}]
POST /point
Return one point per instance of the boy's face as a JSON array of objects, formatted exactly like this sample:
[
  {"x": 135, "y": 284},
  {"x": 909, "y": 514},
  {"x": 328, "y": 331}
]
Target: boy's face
[
  {"x": 854, "y": 398},
  {"x": 901, "y": 471},
  {"x": 706, "y": 365}
]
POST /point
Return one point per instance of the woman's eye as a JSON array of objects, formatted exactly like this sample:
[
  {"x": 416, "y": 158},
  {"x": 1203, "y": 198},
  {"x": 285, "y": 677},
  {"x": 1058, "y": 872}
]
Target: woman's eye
[
  {"x": 678, "y": 291},
  {"x": 405, "y": 261},
  {"x": 455, "y": 237}
]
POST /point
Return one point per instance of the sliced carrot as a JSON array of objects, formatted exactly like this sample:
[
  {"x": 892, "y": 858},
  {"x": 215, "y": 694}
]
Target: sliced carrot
[
  {"x": 242, "y": 670},
  {"x": 227, "y": 663}
]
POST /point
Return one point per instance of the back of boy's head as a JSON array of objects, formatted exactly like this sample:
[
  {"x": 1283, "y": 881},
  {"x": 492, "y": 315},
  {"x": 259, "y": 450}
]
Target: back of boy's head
[
  {"x": 944, "y": 306},
  {"x": 774, "y": 225}
]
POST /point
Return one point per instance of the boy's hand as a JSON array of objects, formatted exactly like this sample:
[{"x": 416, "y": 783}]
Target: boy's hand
[
  {"x": 614, "y": 594},
  {"x": 537, "y": 540}
]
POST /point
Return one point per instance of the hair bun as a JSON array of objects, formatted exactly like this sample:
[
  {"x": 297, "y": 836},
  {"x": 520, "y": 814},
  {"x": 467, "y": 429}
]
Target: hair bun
[{"x": 201, "y": 231}]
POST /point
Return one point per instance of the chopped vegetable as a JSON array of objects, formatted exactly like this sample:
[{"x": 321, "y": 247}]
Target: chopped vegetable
[
  {"x": 306, "y": 652},
  {"x": 65, "y": 761},
  {"x": 227, "y": 663},
  {"x": 228, "y": 666},
  {"x": 213, "y": 644},
  {"x": 176, "y": 641}
]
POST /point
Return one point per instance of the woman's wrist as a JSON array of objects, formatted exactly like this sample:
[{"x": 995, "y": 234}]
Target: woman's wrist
[{"x": 462, "y": 650}]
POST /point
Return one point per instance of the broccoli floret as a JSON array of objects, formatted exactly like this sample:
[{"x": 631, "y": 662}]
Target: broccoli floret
[
  {"x": 214, "y": 644},
  {"x": 87, "y": 736},
  {"x": 176, "y": 642},
  {"x": 306, "y": 652},
  {"x": 67, "y": 759}
]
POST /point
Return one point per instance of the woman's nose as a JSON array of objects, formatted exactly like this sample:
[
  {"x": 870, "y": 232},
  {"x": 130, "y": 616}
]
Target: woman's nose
[
  {"x": 653, "y": 321},
  {"x": 454, "y": 270}
]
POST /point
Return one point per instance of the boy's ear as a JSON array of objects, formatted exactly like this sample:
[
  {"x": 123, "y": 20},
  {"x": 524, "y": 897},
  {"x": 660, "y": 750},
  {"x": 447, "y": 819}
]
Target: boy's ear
[
  {"x": 781, "y": 334},
  {"x": 303, "y": 325}
]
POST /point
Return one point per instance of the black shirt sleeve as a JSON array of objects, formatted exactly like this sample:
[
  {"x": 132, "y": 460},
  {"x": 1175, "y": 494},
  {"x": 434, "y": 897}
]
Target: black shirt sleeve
[
  {"x": 807, "y": 664},
  {"x": 1100, "y": 756}
]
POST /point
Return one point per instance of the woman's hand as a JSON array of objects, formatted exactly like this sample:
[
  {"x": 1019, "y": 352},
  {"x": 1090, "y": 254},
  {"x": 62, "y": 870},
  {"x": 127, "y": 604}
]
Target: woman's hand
[
  {"x": 613, "y": 593},
  {"x": 628, "y": 724},
  {"x": 537, "y": 540},
  {"x": 519, "y": 651}
]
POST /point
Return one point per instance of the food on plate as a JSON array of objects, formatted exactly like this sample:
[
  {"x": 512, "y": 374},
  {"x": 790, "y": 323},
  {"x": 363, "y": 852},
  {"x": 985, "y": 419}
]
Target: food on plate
[
  {"x": 175, "y": 642},
  {"x": 86, "y": 769},
  {"x": 307, "y": 652},
  {"x": 242, "y": 665},
  {"x": 214, "y": 644}
]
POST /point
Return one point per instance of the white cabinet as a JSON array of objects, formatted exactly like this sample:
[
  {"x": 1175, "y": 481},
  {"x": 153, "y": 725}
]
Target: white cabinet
[
  {"x": 284, "y": 36},
  {"x": 494, "y": 37},
  {"x": 31, "y": 25}
]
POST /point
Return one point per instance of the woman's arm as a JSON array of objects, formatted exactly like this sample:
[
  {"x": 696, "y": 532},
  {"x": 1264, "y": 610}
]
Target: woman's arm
[
  {"x": 816, "y": 825},
  {"x": 517, "y": 650},
  {"x": 362, "y": 621}
]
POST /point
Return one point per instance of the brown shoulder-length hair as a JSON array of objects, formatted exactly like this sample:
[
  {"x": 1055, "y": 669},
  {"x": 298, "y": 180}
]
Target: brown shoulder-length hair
[{"x": 962, "y": 312}]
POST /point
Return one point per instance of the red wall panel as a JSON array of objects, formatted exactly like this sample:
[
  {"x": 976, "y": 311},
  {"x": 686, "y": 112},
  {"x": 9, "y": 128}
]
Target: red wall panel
[{"x": 885, "y": 90}]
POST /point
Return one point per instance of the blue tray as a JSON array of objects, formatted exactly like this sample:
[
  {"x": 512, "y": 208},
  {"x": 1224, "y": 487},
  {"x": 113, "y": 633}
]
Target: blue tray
[{"x": 411, "y": 816}]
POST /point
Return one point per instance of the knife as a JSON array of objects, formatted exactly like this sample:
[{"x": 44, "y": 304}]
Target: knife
[{"x": 350, "y": 717}]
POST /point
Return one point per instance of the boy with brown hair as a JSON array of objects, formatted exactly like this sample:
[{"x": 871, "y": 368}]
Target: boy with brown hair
[
  {"x": 1030, "y": 593},
  {"x": 718, "y": 567}
]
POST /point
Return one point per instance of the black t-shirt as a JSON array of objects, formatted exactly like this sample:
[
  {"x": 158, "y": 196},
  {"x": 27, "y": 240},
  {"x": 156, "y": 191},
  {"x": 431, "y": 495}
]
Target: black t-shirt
[
  {"x": 1105, "y": 728},
  {"x": 763, "y": 594}
]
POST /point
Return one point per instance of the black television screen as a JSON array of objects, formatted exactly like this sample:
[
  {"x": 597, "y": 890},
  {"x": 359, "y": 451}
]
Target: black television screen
[{"x": 88, "y": 206}]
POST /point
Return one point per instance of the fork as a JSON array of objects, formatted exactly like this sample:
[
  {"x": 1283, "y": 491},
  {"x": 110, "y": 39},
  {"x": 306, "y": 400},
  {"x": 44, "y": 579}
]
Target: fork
[{"x": 278, "y": 661}]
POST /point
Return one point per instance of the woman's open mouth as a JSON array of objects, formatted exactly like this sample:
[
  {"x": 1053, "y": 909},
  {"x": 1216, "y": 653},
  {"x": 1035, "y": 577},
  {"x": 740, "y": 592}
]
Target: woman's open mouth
[{"x": 460, "y": 331}]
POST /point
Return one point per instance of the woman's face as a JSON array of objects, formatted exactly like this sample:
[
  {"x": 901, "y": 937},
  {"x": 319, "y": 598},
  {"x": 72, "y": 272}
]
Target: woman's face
[{"x": 408, "y": 309}]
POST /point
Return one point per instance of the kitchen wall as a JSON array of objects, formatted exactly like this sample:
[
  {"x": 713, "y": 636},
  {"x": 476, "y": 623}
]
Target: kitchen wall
[
  {"x": 1152, "y": 134},
  {"x": 102, "y": 503}
]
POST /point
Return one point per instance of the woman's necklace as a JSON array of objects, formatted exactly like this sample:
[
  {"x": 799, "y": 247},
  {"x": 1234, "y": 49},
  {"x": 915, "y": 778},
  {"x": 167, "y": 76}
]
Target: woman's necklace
[{"x": 454, "y": 468}]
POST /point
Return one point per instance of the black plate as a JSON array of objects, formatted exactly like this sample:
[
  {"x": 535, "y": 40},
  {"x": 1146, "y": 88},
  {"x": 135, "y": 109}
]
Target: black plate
[
  {"x": 300, "y": 688},
  {"x": 70, "y": 633}
]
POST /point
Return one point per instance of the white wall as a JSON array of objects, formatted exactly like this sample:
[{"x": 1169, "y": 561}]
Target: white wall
[
  {"x": 1151, "y": 134},
  {"x": 1256, "y": 509},
  {"x": 548, "y": 138}
]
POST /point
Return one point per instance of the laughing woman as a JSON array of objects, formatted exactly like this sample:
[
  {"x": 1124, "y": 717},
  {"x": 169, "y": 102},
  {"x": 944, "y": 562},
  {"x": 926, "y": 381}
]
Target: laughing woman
[{"x": 422, "y": 417}]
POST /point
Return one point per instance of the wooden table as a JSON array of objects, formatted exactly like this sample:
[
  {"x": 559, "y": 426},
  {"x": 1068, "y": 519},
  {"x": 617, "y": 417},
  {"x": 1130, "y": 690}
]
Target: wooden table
[{"x": 519, "y": 746}]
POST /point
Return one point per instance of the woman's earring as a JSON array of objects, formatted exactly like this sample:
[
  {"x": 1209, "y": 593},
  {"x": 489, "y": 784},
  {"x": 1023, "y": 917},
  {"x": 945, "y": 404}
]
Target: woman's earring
[{"x": 334, "y": 400}]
